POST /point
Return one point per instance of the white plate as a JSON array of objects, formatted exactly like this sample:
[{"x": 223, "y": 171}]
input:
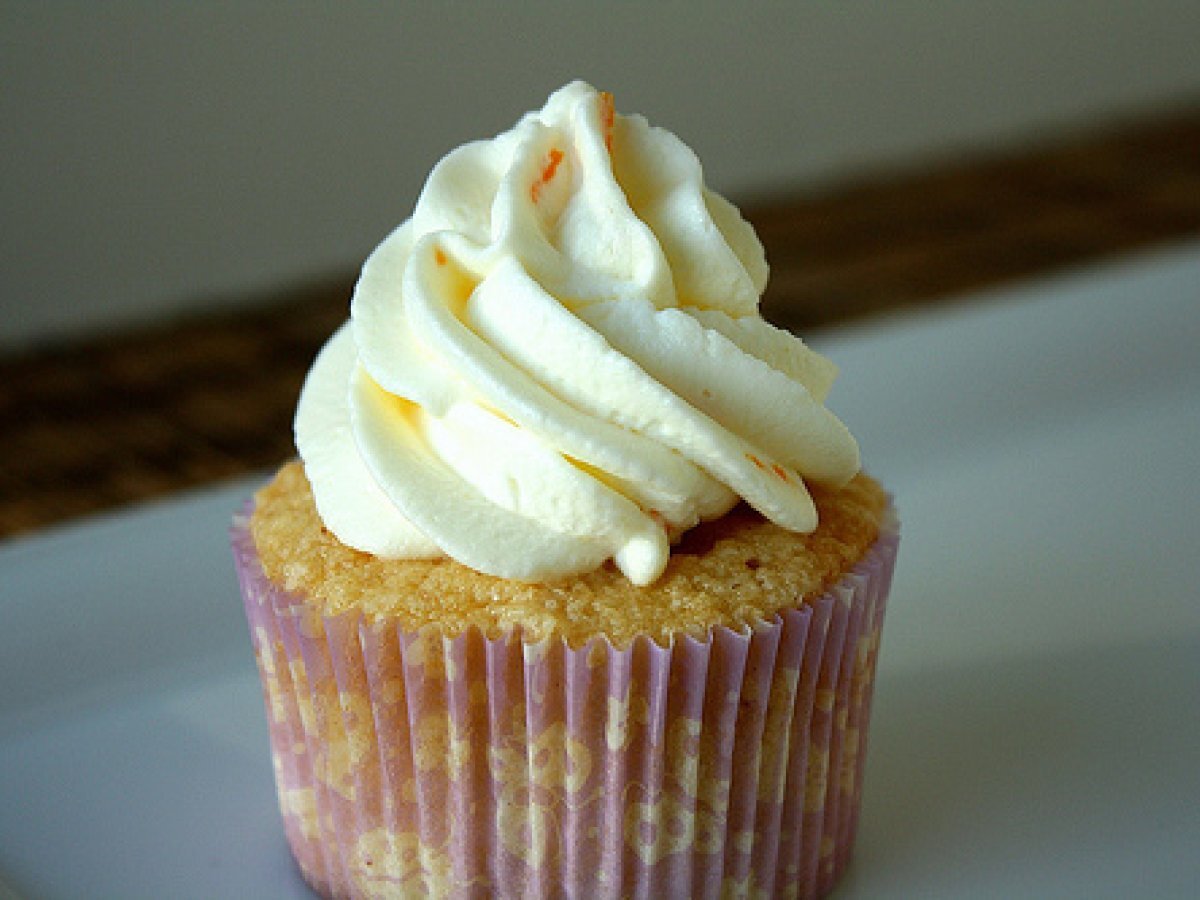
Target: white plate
[{"x": 1036, "y": 729}]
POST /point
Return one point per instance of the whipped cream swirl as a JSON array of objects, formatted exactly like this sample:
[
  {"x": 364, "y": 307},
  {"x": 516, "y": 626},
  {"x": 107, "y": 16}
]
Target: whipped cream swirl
[{"x": 558, "y": 360}]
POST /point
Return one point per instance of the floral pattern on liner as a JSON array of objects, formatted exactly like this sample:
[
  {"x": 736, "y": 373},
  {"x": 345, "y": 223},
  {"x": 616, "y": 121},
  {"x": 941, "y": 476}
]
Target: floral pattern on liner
[{"x": 420, "y": 765}]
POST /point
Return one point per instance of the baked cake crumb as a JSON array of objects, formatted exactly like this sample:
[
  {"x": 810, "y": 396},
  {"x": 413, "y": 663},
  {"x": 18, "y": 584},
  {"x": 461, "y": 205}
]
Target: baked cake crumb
[{"x": 734, "y": 571}]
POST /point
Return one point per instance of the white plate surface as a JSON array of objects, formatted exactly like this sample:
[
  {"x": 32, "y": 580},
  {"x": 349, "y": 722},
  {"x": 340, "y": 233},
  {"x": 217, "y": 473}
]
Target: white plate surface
[{"x": 1037, "y": 723}]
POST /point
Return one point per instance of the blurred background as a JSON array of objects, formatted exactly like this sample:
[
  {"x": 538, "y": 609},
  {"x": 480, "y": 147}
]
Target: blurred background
[{"x": 189, "y": 188}]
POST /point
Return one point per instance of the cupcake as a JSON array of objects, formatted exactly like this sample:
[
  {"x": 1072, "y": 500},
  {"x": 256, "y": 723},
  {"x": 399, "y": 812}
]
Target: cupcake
[{"x": 576, "y": 588}]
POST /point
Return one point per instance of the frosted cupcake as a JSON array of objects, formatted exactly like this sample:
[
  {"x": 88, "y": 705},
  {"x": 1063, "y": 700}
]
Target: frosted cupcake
[{"x": 577, "y": 588}]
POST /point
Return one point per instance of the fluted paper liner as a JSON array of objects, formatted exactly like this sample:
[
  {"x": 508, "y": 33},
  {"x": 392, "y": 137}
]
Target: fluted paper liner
[{"x": 415, "y": 764}]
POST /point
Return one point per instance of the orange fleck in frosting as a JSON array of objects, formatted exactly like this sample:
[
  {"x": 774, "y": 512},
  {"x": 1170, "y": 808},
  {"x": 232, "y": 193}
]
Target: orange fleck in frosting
[
  {"x": 607, "y": 118},
  {"x": 553, "y": 160}
]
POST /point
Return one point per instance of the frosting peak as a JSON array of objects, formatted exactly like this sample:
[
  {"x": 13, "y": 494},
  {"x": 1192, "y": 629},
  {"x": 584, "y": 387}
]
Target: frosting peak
[{"x": 558, "y": 360}]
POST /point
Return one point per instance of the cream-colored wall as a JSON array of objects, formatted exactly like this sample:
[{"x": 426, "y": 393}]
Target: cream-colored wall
[{"x": 161, "y": 156}]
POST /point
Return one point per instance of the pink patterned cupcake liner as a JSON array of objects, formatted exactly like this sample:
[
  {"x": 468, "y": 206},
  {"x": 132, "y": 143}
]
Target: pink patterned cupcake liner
[{"x": 415, "y": 764}]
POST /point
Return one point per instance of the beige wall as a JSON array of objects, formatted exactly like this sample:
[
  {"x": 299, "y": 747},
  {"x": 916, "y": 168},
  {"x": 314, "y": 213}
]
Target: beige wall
[{"x": 161, "y": 156}]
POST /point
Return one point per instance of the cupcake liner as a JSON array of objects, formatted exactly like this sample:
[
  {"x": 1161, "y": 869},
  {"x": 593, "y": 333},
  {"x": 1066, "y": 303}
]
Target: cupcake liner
[{"x": 416, "y": 764}]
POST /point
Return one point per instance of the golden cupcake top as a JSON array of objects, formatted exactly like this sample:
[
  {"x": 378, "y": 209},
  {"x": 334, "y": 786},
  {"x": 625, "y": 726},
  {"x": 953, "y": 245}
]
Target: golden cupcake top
[{"x": 733, "y": 571}]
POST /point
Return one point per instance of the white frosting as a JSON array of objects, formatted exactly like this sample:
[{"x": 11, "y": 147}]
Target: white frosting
[{"x": 559, "y": 360}]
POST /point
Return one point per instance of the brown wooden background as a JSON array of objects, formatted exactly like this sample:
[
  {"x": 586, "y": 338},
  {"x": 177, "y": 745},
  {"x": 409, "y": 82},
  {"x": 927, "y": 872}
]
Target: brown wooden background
[{"x": 102, "y": 423}]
